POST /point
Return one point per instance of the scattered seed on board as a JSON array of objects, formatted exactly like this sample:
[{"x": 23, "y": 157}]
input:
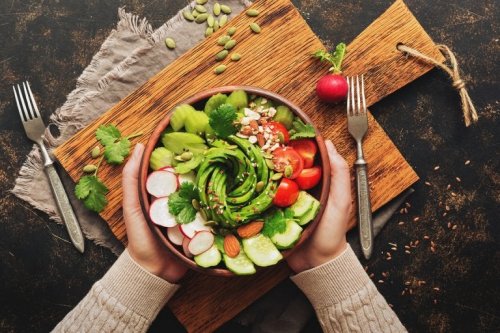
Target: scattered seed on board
[
  {"x": 230, "y": 44},
  {"x": 255, "y": 27},
  {"x": 195, "y": 14},
  {"x": 223, "y": 20},
  {"x": 225, "y": 9},
  {"x": 89, "y": 168},
  {"x": 231, "y": 31},
  {"x": 223, "y": 40},
  {"x": 188, "y": 15},
  {"x": 95, "y": 152},
  {"x": 200, "y": 9},
  {"x": 209, "y": 32},
  {"x": 201, "y": 2},
  {"x": 170, "y": 43},
  {"x": 216, "y": 9},
  {"x": 210, "y": 21},
  {"x": 253, "y": 12},
  {"x": 220, "y": 69},
  {"x": 201, "y": 18},
  {"x": 235, "y": 57},
  {"x": 216, "y": 25},
  {"x": 221, "y": 55}
]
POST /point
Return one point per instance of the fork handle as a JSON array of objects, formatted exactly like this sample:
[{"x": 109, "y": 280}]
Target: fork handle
[
  {"x": 67, "y": 213},
  {"x": 364, "y": 209}
]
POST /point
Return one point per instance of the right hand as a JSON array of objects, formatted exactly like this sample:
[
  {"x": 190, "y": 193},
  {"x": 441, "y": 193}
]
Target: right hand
[{"x": 329, "y": 239}]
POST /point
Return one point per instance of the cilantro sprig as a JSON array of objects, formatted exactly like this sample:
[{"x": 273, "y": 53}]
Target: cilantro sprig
[
  {"x": 274, "y": 223},
  {"x": 90, "y": 188},
  {"x": 180, "y": 203},
  {"x": 335, "y": 58},
  {"x": 300, "y": 130},
  {"x": 222, "y": 120}
]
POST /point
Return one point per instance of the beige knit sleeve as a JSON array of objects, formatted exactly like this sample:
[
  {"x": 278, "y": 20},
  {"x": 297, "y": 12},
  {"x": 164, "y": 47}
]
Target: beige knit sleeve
[
  {"x": 126, "y": 299},
  {"x": 345, "y": 299}
]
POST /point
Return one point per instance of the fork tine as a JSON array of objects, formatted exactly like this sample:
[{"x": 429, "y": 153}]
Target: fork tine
[
  {"x": 33, "y": 101},
  {"x": 353, "y": 101},
  {"x": 28, "y": 101},
  {"x": 25, "y": 110},
  {"x": 363, "y": 97},
  {"x": 348, "y": 96},
  {"x": 21, "y": 114},
  {"x": 358, "y": 110}
]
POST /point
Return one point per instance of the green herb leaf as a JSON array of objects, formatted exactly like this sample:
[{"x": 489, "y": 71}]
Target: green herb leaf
[
  {"x": 186, "y": 215},
  {"x": 222, "y": 120},
  {"x": 288, "y": 213},
  {"x": 107, "y": 134},
  {"x": 335, "y": 59},
  {"x": 274, "y": 223},
  {"x": 93, "y": 192},
  {"x": 189, "y": 191},
  {"x": 300, "y": 130},
  {"x": 116, "y": 152},
  {"x": 180, "y": 203}
]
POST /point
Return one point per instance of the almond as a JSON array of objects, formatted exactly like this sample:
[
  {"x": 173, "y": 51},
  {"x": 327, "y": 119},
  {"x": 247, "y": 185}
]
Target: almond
[
  {"x": 231, "y": 245},
  {"x": 250, "y": 229},
  {"x": 254, "y": 125},
  {"x": 260, "y": 140},
  {"x": 246, "y": 130}
]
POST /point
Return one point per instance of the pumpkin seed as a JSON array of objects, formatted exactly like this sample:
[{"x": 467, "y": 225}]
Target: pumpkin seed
[
  {"x": 281, "y": 137},
  {"x": 236, "y": 57},
  {"x": 186, "y": 156},
  {"x": 270, "y": 164},
  {"x": 221, "y": 55},
  {"x": 196, "y": 204},
  {"x": 89, "y": 168},
  {"x": 188, "y": 15},
  {"x": 253, "y": 12},
  {"x": 216, "y": 9},
  {"x": 230, "y": 44},
  {"x": 255, "y": 27},
  {"x": 211, "y": 223},
  {"x": 200, "y": 9},
  {"x": 225, "y": 9},
  {"x": 195, "y": 14},
  {"x": 277, "y": 176},
  {"x": 223, "y": 40},
  {"x": 179, "y": 158},
  {"x": 203, "y": 214},
  {"x": 223, "y": 20},
  {"x": 216, "y": 25},
  {"x": 210, "y": 21},
  {"x": 170, "y": 43},
  {"x": 220, "y": 69},
  {"x": 201, "y": 2},
  {"x": 95, "y": 152},
  {"x": 209, "y": 31},
  {"x": 259, "y": 186},
  {"x": 288, "y": 171},
  {"x": 201, "y": 18},
  {"x": 231, "y": 31}
]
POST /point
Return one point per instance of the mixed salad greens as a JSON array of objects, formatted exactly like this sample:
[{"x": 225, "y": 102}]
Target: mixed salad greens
[{"x": 230, "y": 183}]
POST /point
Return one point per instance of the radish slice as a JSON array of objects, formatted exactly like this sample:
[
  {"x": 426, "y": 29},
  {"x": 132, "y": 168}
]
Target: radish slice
[
  {"x": 161, "y": 183},
  {"x": 192, "y": 228},
  {"x": 185, "y": 247},
  {"x": 175, "y": 235},
  {"x": 159, "y": 214},
  {"x": 188, "y": 177},
  {"x": 167, "y": 168},
  {"x": 201, "y": 242}
]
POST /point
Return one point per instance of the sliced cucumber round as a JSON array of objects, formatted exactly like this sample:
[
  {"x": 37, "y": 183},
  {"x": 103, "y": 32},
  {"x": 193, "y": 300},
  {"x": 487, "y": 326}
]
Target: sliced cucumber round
[
  {"x": 289, "y": 237},
  {"x": 310, "y": 214},
  {"x": 303, "y": 204},
  {"x": 240, "y": 265},
  {"x": 261, "y": 250},
  {"x": 209, "y": 258}
]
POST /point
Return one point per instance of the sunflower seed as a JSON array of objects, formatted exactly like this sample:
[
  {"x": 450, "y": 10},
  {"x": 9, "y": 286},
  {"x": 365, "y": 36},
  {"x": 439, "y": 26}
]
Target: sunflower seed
[
  {"x": 210, "y": 21},
  {"x": 223, "y": 40},
  {"x": 188, "y": 15},
  {"x": 236, "y": 57},
  {"x": 231, "y": 31},
  {"x": 201, "y": 2},
  {"x": 201, "y": 18},
  {"x": 89, "y": 168},
  {"x": 253, "y": 12},
  {"x": 221, "y": 55},
  {"x": 230, "y": 44},
  {"x": 216, "y": 9},
  {"x": 220, "y": 69},
  {"x": 95, "y": 152},
  {"x": 200, "y": 9},
  {"x": 223, "y": 20},
  {"x": 225, "y": 9},
  {"x": 170, "y": 43},
  {"x": 255, "y": 27},
  {"x": 209, "y": 32}
]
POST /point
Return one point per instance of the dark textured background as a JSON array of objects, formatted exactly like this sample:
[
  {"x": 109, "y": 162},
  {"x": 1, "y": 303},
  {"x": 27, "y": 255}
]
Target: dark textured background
[{"x": 50, "y": 42}]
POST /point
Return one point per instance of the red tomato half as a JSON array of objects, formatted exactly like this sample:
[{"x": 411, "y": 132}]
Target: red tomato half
[
  {"x": 283, "y": 157},
  {"x": 307, "y": 150},
  {"x": 309, "y": 178},
  {"x": 279, "y": 127},
  {"x": 287, "y": 193}
]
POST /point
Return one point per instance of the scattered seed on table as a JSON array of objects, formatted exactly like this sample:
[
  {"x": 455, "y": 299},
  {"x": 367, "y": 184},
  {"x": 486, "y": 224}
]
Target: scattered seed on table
[
  {"x": 200, "y": 9},
  {"x": 95, "y": 152},
  {"x": 447, "y": 208},
  {"x": 231, "y": 31},
  {"x": 223, "y": 40},
  {"x": 371, "y": 275},
  {"x": 401, "y": 223},
  {"x": 448, "y": 187},
  {"x": 235, "y": 57},
  {"x": 209, "y": 31},
  {"x": 223, "y": 20},
  {"x": 436, "y": 168},
  {"x": 426, "y": 237},
  {"x": 467, "y": 162},
  {"x": 454, "y": 227},
  {"x": 216, "y": 9},
  {"x": 458, "y": 179},
  {"x": 407, "y": 204},
  {"x": 225, "y": 9},
  {"x": 210, "y": 21},
  {"x": 255, "y": 27},
  {"x": 444, "y": 214},
  {"x": 170, "y": 43},
  {"x": 416, "y": 219},
  {"x": 188, "y": 15},
  {"x": 453, "y": 194},
  {"x": 380, "y": 281},
  {"x": 427, "y": 183},
  {"x": 89, "y": 168},
  {"x": 394, "y": 248},
  {"x": 201, "y": 2},
  {"x": 230, "y": 44},
  {"x": 195, "y": 13},
  {"x": 216, "y": 25},
  {"x": 220, "y": 69},
  {"x": 201, "y": 18},
  {"x": 253, "y": 12},
  {"x": 407, "y": 252},
  {"x": 436, "y": 289},
  {"x": 221, "y": 55}
]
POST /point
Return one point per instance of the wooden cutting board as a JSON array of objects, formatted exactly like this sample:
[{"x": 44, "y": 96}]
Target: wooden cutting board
[{"x": 279, "y": 59}]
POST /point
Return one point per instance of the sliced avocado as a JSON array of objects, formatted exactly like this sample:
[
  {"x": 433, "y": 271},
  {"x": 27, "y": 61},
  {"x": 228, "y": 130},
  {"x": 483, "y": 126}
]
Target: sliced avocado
[
  {"x": 178, "y": 142},
  {"x": 214, "y": 102},
  {"x": 289, "y": 237},
  {"x": 186, "y": 167},
  {"x": 303, "y": 204},
  {"x": 310, "y": 214},
  {"x": 179, "y": 116}
]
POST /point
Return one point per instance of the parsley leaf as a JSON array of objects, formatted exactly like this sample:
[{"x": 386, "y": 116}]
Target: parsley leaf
[
  {"x": 107, "y": 134},
  {"x": 274, "y": 223},
  {"x": 93, "y": 192},
  {"x": 116, "y": 152},
  {"x": 180, "y": 203},
  {"x": 222, "y": 120},
  {"x": 335, "y": 59},
  {"x": 300, "y": 130},
  {"x": 288, "y": 213}
]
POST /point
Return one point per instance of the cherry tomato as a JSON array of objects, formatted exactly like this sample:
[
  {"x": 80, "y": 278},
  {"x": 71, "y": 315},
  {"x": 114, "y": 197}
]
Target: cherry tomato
[
  {"x": 287, "y": 193},
  {"x": 307, "y": 150},
  {"x": 279, "y": 127},
  {"x": 284, "y": 158},
  {"x": 309, "y": 178}
]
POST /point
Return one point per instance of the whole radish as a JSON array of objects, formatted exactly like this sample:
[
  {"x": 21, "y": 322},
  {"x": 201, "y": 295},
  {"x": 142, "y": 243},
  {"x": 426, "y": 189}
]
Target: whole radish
[{"x": 333, "y": 87}]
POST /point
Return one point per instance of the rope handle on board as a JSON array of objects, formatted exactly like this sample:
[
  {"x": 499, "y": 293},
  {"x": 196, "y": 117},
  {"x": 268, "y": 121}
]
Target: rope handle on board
[{"x": 470, "y": 113}]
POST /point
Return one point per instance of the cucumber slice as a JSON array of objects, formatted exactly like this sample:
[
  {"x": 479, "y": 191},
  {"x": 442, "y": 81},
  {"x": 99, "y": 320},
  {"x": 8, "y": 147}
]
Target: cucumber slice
[
  {"x": 261, "y": 250},
  {"x": 179, "y": 116},
  {"x": 288, "y": 238},
  {"x": 209, "y": 258},
  {"x": 284, "y": 116},
  {"x": 238, "y": 99},
  {"x": 240, "y": 265},
  {"x": 214, "y": 102},
  {"x": 196, "y": 122},
  {"x": 303, "y": 204},
  {"x": 310, "y": 214},
  {"x": 161, "y": 157}
]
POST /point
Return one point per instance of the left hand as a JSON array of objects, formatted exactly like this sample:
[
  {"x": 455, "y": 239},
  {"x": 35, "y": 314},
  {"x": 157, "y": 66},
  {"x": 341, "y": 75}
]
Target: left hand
[{"x": 143, "y": 245}]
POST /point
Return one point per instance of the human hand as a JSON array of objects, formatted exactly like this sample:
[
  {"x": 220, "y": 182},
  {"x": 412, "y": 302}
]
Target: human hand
[
  {"x": 143, "y": 245},
  {"x": 329, "y": 239}
]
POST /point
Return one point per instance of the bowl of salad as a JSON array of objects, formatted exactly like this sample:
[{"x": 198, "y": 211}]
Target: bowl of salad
[{"x": 234, "y": 179}]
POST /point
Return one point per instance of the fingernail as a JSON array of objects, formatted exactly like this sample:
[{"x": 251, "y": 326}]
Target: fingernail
[
  {"x": 138, "y": 150},
  {"x": 331, "y": 146}
]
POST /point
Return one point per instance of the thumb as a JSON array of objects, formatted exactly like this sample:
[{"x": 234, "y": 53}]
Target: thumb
[{"x": 340, "y": 186}]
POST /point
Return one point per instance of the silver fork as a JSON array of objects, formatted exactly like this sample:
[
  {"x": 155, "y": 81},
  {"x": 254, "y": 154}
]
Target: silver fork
[
  {"x": 357, "y": 120},
  {"x": 34, "y": 128}
]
